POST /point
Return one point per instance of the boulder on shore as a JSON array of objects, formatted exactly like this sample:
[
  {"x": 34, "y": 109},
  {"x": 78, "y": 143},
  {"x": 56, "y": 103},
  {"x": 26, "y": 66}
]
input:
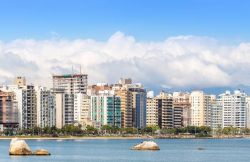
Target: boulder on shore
[
  {"x": 19, "y": 147},
  {"x": 41, "y": 152},
  {"x": 146, "y": 145}
]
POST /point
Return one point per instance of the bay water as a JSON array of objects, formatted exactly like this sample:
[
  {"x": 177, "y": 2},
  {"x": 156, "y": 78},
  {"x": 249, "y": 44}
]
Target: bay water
[{"x": 101, "y": 150}]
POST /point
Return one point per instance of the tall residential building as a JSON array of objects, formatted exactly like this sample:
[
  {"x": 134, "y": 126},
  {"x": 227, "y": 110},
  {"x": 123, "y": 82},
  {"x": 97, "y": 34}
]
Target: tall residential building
[
  {"x": 139, "y": 104},
  {"x": 248, "y": 111},
  {"x": 60, "y": 107},
  {"x": 126, "y": 107},
  {"x": 8, "y": 111},
  {"x": 208, "y": 101},
  {"x": 46, "y": 107},
  {"x": 29, "y": 111},
  {"x": 106, "y": 110},
  {"x": 165, "y": 110},
  {"x": 72, "y": 84},
  {"x": 197, "y": 108},
  {"x": 20, "y": 96},
  {"x": 201, "y": 108},
  {"x": 216, "y": 114},
  {"x": 181, "y": 109},
  {"x": 27, "y": 104},
  {"x": 152, "y": 112},
  {"x": 82, "y": 109},
  {"x": 234, "y": 109},
  {"x": 85, "y": 111}
]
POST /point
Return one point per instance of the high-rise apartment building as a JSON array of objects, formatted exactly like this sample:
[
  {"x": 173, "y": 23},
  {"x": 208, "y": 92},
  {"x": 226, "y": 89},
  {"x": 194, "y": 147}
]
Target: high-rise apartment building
[
  {"x": 60, "y": 107},
  {"x": 19, "y": 95},
  {"x": 152, "y": 111},
  {"x": 106, "y": 110},
  {"x": 8, "y": 111},
  {"x": 234, "y": 109},
  {"x": 197, "y": 108},
  {"x": 216, "y": 114},
  {"x": 165, "y": 110},
  {"x": 82, "y": 109},
  {"x": 27, "y": 104},
  {"x": 133, "y": 103},
  {"x": 248, "y": 111},
  {"x": 85, "y": 111},
  {"x": 181, "y": 109},
  {"x": 126, "y": 107},
  {"x": 71, "y": 84},
  {"x": 139, "y": 104},
  {"x": 46, "y": 107},
  {"x": 29, "y": 109}
]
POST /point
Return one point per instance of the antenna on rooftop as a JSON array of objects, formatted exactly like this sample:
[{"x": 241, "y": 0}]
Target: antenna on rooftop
[{"x": 80, "y": 69}]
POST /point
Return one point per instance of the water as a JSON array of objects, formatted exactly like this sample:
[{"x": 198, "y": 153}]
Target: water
[{"x": 172, "y": 150}]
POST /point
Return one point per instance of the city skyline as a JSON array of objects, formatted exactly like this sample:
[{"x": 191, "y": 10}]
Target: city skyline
[{"x": 125, "y": 80}]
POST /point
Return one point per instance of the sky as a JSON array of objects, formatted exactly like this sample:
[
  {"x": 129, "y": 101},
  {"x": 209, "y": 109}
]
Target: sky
[{"x": 171, "y": 44}]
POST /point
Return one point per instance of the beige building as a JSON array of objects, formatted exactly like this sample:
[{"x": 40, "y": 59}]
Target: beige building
[
  {"x": 201, "y": 105},
  {"x": 126, "y": 107},
  {"x": 197, "y": 108},
  {"x": 60, "y": 108},
  {"x": 152, "y": 111},
  {"x": 82, "y": 109}
]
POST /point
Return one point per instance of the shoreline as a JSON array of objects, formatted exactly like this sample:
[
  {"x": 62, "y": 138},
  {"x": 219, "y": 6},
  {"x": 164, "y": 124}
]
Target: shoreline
[{"x": 117, "y": 137}]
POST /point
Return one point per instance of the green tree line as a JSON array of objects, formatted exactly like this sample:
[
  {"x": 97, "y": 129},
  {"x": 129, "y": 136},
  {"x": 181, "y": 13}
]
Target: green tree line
[{"x": 72, "y": 130}]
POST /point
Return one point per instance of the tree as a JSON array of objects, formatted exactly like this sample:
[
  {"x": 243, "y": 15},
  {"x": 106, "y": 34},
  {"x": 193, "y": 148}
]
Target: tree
[
  {"x": 147, "y": 130},
  {"x": 91, "y": 129}
]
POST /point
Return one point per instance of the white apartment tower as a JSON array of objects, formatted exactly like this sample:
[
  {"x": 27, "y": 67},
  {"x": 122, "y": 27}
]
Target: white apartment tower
[
  {"x": 46, "y": 107},
  {"x": 248, "y": 111},
  {"x": 234, "y": 109}
]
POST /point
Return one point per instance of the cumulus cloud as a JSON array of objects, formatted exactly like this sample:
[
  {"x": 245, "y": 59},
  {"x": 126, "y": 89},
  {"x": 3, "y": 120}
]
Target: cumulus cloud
[{"x": 182, "y": 61}]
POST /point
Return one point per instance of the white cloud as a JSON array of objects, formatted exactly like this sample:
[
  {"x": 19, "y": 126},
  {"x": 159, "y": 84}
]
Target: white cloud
[{"x": 182, "y": 61}]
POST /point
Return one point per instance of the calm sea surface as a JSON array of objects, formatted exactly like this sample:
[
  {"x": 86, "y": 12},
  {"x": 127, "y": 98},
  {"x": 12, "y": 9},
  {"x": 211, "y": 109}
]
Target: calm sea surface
[{"x": 172, "y": 150}]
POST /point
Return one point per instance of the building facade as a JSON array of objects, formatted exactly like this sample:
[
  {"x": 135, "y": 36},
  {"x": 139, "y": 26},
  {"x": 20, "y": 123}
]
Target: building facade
[
  {"x": 106, "y": 110},
  {"x": 234, "y": 109},
  {"x": 165, "y": 110},
  {"x": 71, "y": 85},
  {"x": 8, "y": 111},
  {"x": 152, "y": 112},
  {"x": 46, "y": 107}
]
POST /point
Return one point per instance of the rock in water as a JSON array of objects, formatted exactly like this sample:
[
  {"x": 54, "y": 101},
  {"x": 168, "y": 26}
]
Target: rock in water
[
  {"x": 146, "y": 145},
  {"x": 19, "y": 147},
  {"x": 41, "y": 152}
]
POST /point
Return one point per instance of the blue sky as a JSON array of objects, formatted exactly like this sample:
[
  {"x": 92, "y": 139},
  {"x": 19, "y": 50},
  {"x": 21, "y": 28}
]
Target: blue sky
[
  {"x": 170, "y": 44},
  {"x": 146, "y": 20}
]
